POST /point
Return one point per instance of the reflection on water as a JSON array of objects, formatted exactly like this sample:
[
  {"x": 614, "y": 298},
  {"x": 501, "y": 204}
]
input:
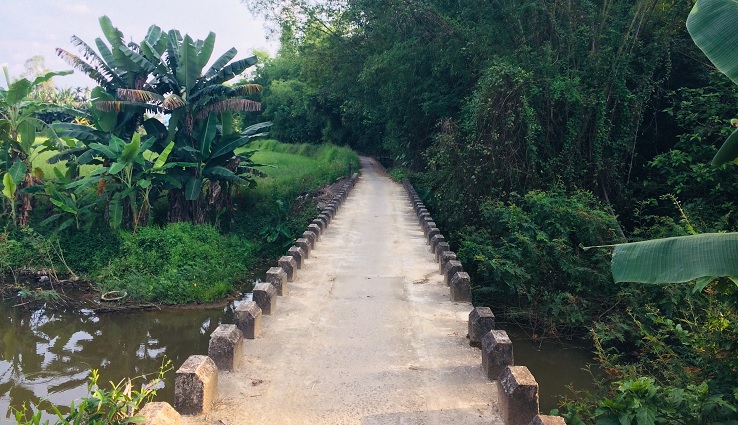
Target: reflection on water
[
  {"x": 47, "y": 355},
  {"x": 555, "y": 366}
]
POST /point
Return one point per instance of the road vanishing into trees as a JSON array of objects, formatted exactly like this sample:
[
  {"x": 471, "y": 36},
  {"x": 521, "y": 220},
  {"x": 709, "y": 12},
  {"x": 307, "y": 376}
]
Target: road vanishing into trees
[{"x": 366, "y": 334}]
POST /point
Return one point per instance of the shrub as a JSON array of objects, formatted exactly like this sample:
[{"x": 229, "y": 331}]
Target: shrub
[
  {"x": 527, "y": 252},
  {"x": 178, "y": 263}
]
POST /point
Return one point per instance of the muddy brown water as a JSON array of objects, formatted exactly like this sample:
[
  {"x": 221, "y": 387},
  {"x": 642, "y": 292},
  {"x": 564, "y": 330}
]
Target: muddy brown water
[{"x": 46, "y": 356}]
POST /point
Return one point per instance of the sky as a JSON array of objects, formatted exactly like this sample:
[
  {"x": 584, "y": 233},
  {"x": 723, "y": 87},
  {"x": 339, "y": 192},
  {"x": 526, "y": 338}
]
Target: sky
[{"x": 37, "y": 27}]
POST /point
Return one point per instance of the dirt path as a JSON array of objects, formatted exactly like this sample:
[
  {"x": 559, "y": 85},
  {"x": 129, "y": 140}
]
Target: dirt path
[{"x": 366, "y": 335}]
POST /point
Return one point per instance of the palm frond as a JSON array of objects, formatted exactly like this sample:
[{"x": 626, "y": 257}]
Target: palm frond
[
  {"x": 140, "y": 96},
  {"x": 172, "y": 102},
  {"x": 118, "y": 106},
  {"x": 229, "y": 105},
  {"x": 247, "y": 89},
  {"x": 77, "y": 63}
]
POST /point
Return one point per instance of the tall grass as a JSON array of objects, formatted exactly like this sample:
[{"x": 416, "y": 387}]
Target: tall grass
[{"x": 295, "y": 169}]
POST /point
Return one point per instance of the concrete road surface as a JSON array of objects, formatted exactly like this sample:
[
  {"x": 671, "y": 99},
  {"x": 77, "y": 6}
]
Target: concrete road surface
[{"x": 366, "y": 335}]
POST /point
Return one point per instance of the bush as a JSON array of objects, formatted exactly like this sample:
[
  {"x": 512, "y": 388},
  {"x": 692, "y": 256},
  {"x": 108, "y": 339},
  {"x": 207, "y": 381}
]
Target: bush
[
  {"x": 527, "y": 252},
  {"x": 178, "y": 263}
]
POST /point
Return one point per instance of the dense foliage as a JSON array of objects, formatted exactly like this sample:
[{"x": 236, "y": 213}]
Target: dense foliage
[{"x": 532, "y": 130}]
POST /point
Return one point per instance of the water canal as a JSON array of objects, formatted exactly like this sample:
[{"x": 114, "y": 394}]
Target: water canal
[{"x": 47, "y": 355}]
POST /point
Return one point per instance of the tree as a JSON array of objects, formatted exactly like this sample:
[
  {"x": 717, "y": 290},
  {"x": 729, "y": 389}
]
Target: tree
[{"x": 19, "y": 125}]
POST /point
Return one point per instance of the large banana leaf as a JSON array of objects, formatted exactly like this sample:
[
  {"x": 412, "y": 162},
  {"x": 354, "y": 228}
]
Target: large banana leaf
[
  {"x": 675, "y": 260},
  {"x": 232, "y": 70},
  {"x": 712, "y": 25},
  {"x": 221, "y": 62},
  {"x": 188, "y": 70}
]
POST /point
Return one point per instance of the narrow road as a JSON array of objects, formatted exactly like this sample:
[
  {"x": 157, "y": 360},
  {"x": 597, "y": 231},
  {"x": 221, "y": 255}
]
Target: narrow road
[{"x": 366, "y": 335}]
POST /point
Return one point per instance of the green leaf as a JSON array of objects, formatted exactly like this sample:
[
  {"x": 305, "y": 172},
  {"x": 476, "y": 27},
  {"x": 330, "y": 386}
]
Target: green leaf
[
  {"x": 130, "y": 151},
  {"x": 9, "y": 187},
  {"x": 233, "y": 70},
  {"x": 188, "y": 71},
  {"x": 207, "y": 134},
  {"x": 105, "y": 150},
  {"x": 18, "y": 171},
  {"x": 227, "y": 145},
  {"x": 106, "y": 121},
  {"x": 712, "y": 25},
  {"x": 207, "y": 50},
  {"x": 18, "y": 91},
  {"x": 63, "y": 206},
  {"x": 193, "y": 188},
  {"x": 728, "y": 152},
  {"x": 676, "y": 260},
  {"x": 117, "y": 167},
  {"x": 27, "y": 130},
  {"x": 221, "y": 62},
  {"x": 116, "y": 211},
  {"x": 163, "y": 156}
]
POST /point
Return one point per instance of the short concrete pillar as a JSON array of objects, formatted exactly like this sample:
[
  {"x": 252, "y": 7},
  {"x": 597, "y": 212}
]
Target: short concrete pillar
[
  {"x": 440, "y": 248},
  {"x": 320, "y": 223},
  {"x": 433, "y": 232},
  {"x": 310, "y": 236},
  {"x": 289, "y": 264},
  {"x": 460, "y": 287},
  {"x": 450, "y": 269},
  {"x": 226, "y": 346},
  {"x": 435, "y": 241},
  {"x": 481, "y": 321},
  {"x": 265, "y": 296},
  {"x": 517, "y": 391},
  {"x": 443, "y": 258},
  {"x": 248, "y": 319},
  {"x": 306, "y": 246},
  {"x": 277, "y": 276},
  {"x": 547, "y": 420},
  {"x": 195, "y": 385},
  {"x": 315, "y": 229},
  {"x": 298, "y": 254},
  {"x": 325, "y": 217},
  {"x": 159, "y": 413},
  {"x": 497, "y": 353},
  {"x": 424, "y": 216},
  {"x": 427, "y": 225}
]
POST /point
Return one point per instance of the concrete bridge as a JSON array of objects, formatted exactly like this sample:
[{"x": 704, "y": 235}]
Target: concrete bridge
[{"x": 366, "y": 331}]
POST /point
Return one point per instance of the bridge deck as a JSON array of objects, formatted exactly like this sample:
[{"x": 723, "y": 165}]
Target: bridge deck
[{"x": 366, "y": 335}]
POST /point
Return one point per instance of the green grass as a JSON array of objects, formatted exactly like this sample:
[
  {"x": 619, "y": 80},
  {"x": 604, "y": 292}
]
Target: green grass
[{"x": 295, "y": 169}]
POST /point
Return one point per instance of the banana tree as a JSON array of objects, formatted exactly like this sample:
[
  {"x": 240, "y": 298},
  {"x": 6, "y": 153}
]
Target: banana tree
[
  {"x": 128, "y": 177},
  {"x": 19, "y": 126},
  {"x": 115, "y": 65},
  {"x": 200, "y": 108},
  {"x": 712, "y": 25}
]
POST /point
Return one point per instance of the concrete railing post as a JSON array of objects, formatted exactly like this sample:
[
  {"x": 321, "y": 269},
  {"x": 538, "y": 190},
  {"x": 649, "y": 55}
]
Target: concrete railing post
[
  {"x": 265, "y": 297},
  {"x": 497, "y": 353},
  {"x": 306, "y": 246},
  {"x": 481, "y": 321},
  {"x": 288, "y": 263},
  {"x": 315, "y": 229},
  {"x": 298, "y": 254},
  {"x": 443, "y": 258},
  {"x": 277, "y": 276},
  {"x": 195, "y": 385},
  {"x": 311, "y": 237},
  {"x": 460, "y": 287},
  {"x": 517, "y": 391},
  {"x": 450, "y": 269},
  {"x": 226, "y": 346},
  {"x": 159, "y": 413},
  {"x": 248, "y": 319},
  {"x": 440, "y": 249},
  {"x": 547, "y": 420}
]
